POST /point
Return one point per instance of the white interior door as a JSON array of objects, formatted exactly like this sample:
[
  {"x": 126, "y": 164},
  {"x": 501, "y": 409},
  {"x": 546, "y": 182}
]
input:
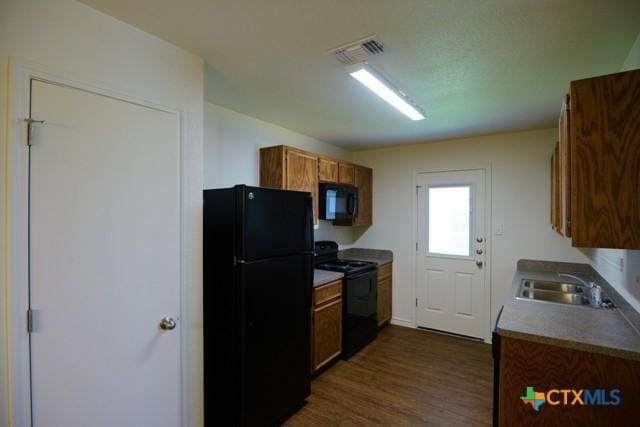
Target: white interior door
[
  {"x": 451, "y": 252},
  {"x": 104, "y": 241}
]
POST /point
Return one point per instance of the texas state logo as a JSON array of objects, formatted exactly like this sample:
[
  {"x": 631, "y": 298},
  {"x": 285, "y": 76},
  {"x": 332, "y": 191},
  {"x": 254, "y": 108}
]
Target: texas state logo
[
  {"x": 533, "y": 398},
  {"x": 571, "y": 397}
]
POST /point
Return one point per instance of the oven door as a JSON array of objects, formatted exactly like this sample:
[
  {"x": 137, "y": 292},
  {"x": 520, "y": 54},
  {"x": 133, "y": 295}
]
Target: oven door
[
  {"x": 360, "y": 311},
  {"x": 362, "y": 295}
]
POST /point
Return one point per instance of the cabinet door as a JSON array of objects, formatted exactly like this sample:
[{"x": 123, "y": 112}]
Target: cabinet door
[
  {"x": 327, "y": 333},
  {"x": 565, "y": 169},
  {"x": 363, "y": 180},
  {"x": 605, "y": 154},
  {"x": 384, "y": 300},
  {"x": 347, "y": 174},
  {"x": 328, "y": 170},
  {"x": 526, "y": 363},
  {"x": 555, "y": 190},
  {"x": 552, "y": 192},
  {"x": 302, "y": 175}
]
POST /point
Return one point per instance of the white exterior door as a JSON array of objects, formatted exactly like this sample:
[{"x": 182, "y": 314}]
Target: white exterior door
[
  {"x": 451, "y": 252},
  {"x": 104, "y": 254}
]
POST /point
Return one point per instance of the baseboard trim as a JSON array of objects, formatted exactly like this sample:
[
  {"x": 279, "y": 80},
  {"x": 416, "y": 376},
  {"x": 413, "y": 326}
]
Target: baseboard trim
[
  {"x": 403, "y": 322},
  {"x": 451, "y": 334}
]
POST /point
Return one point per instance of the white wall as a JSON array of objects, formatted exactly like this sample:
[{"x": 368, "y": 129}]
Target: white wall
[
  {"x": 87, "y": 45},
  {"x": 231, "y": 155},
  {"x": 520, "y": 201},
  {"x": 621, "y": 268},
  {"x": 633, "y": 59}
]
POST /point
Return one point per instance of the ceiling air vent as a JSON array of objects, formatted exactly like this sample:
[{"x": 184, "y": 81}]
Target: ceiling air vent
[{"x": 358, "y": 51}]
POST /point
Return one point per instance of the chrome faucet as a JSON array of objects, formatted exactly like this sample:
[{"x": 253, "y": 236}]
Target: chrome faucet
[
  {"x": 579, "y": 279},
  {"x": 595, "y": 291}
]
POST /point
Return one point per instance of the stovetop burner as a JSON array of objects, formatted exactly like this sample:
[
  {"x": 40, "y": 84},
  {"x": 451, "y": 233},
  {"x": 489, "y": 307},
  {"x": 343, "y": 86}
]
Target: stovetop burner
[
  {"x": 349, "y": 263},
  {"x": 347, "y": 266},
  {"x": 327, "y": 259}
]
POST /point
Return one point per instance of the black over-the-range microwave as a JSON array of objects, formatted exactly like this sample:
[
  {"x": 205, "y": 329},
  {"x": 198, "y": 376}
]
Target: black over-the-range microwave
[{"x": 338, "y": 201}]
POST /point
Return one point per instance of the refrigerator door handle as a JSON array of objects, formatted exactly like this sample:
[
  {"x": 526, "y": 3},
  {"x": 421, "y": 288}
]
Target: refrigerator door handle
[
  {"x": 308, "y": 275},
  {"x": 309, "y": 223}
]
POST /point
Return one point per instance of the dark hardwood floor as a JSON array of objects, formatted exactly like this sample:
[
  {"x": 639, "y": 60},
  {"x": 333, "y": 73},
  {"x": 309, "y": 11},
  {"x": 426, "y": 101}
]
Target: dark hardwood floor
[{"x": 406, "y": 377}]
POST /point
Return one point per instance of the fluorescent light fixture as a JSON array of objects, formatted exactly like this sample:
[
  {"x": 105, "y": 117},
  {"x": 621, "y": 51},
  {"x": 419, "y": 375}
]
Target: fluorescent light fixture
[{"x": 380, "y": 87}]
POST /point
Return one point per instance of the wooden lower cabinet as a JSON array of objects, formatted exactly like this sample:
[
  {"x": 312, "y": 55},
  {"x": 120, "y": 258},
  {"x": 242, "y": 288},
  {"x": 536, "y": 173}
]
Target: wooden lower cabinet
[
  {"x": 385, "y": 292},
  {"x": 548, "y": 368},
  {"x": 326, "y": 324}
]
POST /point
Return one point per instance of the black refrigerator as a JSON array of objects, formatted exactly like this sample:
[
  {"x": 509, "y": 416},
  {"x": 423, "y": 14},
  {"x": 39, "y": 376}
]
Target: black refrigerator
[{"x": 258, "y": 278}]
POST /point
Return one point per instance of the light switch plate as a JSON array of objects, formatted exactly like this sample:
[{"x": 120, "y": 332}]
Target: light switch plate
[{"x": 499, "y": 229}]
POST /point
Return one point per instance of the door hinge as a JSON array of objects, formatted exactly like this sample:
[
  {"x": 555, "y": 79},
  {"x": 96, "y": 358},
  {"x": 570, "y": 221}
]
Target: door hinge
[
  {"x": 29, "y": 320},
  {"x": 416, "y": 302},
  {"x": 416, "y": 246},
  {"x": 29, "y": 121}
]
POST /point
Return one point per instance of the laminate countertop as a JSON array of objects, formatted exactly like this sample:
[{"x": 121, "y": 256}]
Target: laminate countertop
[
  {"x": 614, "y": 332},
  {"x": 381, "y": 256},
  {"x": 321, "y": 277}
]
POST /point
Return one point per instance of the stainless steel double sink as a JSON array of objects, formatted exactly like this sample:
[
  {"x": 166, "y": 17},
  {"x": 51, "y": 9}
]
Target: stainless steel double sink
[{"x": 559, "y": 292}]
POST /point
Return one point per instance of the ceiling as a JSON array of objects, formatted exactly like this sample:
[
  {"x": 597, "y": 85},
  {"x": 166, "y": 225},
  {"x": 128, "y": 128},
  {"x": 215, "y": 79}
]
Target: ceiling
[{"x": 476, "y": 67}]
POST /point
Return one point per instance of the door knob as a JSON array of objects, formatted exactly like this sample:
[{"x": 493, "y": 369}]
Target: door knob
[
  {"x": 479, "y": 263},
  {"x": 479, "y": 251},
  {"x": 479, "y": 239},
  {"x": 167, "y": 323}
]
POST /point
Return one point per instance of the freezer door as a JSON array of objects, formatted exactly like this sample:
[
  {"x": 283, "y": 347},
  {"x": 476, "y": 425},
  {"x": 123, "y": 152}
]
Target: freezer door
[
  {"x": 273, "y": 222},
  {"x": 277, "y": 354}
]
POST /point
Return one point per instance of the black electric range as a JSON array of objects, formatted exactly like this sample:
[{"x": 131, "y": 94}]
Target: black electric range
[
  {"x": 360, "y": 296},
  {"x": 326, "y": 258}
]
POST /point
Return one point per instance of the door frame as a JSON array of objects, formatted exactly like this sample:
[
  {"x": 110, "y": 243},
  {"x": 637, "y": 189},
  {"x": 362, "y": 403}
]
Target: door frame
[
  {"x": 15, "y": 283},
  {"x": 487, "y": 270}
]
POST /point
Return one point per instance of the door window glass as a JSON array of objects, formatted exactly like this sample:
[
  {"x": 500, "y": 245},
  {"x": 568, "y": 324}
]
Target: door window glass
[{"x": 450, "y": 220}]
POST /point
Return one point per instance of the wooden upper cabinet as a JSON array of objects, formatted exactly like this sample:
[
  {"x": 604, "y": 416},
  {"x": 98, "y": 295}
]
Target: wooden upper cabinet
[
  {"x": 290, "y": 169},
  {"x": 364, "y": 182},
  {"x": 327, "y": 170},
  {"x": 552, "y": 188},
  {"x": 604, "y": 158},
  {"x": 564, "y": 138},
  {"x": 272, "y": 167},
  {"x": 347, "y": 174},
  {"x": 556, "y": 215},
  {"x": 302, "y": 175}
]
